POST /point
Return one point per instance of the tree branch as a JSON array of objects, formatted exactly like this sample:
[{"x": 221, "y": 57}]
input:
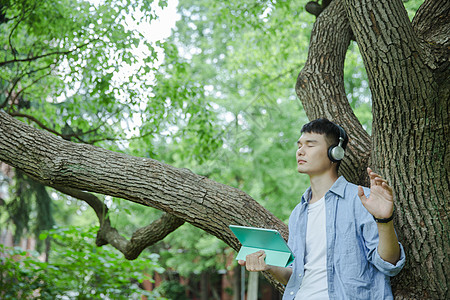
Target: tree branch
[
  {"x": 39, "y": 123},
  {"x": 31, "y": 84},
  {"x": 76, "y": 135},
  {"x": 64, "y": 136},
  {"x": 141, "y": 238},
  {"x": 16, "y": 80},
  {"x": 146, "y": 236},
  {"x": 22, "y": 17},
  {"x": 320, "y": 86},
  {"x": 432, "y": 25},
  {"x": 47, "y": 54},
  {"x": 206, "y": 204}
]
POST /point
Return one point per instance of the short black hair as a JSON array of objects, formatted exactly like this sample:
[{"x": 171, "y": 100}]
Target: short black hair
[{"x": 330, "y": 130}]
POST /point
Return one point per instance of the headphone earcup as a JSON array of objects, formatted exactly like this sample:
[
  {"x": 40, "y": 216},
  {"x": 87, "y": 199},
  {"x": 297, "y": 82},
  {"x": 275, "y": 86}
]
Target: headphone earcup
[{"x": 336, "y": 153}]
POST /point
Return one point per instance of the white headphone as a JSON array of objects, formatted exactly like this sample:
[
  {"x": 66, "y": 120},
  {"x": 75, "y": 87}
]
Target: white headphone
[{"x": 336, "y": 152}]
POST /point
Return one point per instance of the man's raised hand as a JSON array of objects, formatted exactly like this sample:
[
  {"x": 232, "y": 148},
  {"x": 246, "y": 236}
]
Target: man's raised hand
[{"x": 380, "y": 202}]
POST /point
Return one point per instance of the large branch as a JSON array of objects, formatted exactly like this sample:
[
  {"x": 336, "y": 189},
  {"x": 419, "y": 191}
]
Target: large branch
[
  {"x": 198, "y": 200},
  {"x": 432, "y": 25},
  {"x": 320, "y": 86}
]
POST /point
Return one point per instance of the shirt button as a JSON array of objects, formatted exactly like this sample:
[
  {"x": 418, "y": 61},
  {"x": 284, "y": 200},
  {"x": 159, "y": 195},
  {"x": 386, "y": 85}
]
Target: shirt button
[
  {"x": 292, "y": 293},
  {"x": 299, "y": 275}
]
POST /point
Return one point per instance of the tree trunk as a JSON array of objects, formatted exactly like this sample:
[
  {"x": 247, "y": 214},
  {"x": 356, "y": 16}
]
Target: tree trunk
[
  {"x": 410, "y": 145},
  {"x": 409, "y": 81},
  {"x": 204, "y": 286},
  {"x": 252, "y": 290}
]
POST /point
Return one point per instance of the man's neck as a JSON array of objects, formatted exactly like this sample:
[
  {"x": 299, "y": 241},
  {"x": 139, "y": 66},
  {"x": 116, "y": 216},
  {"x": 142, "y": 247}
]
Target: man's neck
[{"x": 320, "y": 184}]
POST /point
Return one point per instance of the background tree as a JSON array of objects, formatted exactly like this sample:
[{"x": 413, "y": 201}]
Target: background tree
[{"x": 407, "y": 67}]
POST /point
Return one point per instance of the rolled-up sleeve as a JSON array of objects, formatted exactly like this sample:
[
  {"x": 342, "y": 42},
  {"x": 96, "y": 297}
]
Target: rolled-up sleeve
[{"x": 386, "y": 267}]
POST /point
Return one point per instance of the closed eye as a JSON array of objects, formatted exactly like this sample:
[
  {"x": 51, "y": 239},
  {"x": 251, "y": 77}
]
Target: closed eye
[{"x": 308, "y": 143}]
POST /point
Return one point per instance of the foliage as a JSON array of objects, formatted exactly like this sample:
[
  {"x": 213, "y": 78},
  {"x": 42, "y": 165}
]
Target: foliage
[
  {"x": 86, "y": 73},
  {"x": 50, "y": 44},
  {"x": 246, "y": 79},
  {"x": 192, "y": 251},
  {"x": 77, "y": 269},
  {"x": 412, "y": 6},
  {"x": 30, "y": 207},
  {"x": 172, "y": 290}
]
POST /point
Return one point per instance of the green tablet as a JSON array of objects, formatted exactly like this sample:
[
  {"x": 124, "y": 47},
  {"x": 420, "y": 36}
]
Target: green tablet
[{"x": 254, "y": 239}]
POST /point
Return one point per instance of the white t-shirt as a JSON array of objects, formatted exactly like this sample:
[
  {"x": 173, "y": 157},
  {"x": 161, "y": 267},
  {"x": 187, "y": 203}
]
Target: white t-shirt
[{"x": 315, "y": 284}]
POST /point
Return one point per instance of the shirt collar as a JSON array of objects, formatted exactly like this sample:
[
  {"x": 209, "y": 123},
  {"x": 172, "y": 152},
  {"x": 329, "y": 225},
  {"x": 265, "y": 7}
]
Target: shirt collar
[
  {"x": 306, "y": 196},
  {"x": 337, "y": 188}
]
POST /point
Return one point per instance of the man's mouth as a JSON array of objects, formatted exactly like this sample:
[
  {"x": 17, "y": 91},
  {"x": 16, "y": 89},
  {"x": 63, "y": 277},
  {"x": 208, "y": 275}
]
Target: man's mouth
[{"x": 301, "y": 161}]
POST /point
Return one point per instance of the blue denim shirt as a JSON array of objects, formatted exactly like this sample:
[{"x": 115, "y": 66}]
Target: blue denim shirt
[{"x": 355, "y": 269}]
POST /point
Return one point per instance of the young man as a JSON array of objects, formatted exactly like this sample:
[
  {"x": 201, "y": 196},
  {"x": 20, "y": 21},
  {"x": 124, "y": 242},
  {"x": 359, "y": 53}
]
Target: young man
[{"x": 343, "y": 239}]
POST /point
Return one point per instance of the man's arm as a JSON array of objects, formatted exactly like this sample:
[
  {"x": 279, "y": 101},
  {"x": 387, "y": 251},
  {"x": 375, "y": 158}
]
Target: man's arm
[
  {"x": 381, "y": 205},
  {"x": 255, "y": 262}
]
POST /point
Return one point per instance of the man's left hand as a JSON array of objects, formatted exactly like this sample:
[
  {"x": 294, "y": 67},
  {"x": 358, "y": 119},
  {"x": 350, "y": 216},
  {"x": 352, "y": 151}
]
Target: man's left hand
[{"x": 381, "y": 199}]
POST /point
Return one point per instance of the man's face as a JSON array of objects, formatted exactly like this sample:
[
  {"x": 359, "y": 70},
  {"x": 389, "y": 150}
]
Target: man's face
[{"x": 312, "y": 157}]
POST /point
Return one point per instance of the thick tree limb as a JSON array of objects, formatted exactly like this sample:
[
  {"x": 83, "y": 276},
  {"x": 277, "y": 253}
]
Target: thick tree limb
[
  {"x": 206, "y": 204},
  {"x": 320, "y": 86},
  {"x": 146, "y": 236},
  {"x": 432, "y": 25},
  {"x": 198, "y": 200}
]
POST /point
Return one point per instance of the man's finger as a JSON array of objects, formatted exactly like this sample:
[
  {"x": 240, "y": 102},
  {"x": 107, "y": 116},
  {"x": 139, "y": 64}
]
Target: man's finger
[
  {"x": 380, "y": 181},
  {"x": 372, "y": 176},
  {"x": 262, "y": 258},
  {"x": 387, "y": 187},
  {"x": 361, "y": 193}
]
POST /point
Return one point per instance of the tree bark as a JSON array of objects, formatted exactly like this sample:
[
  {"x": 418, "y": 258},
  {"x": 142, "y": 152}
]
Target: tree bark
[
  {"x": 410, "y": 138},
  {"x": 408, "y": 71}
]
